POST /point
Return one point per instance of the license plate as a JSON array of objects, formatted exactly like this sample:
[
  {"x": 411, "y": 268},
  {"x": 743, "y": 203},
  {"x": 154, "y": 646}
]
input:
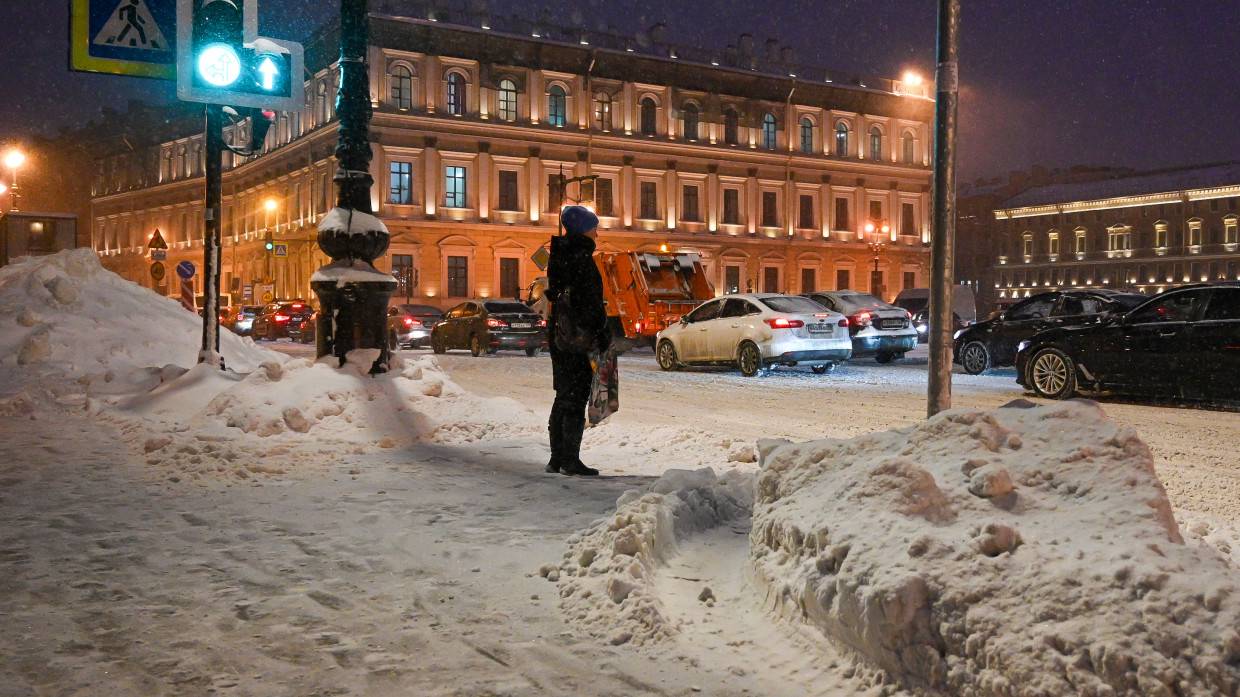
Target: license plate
[
  {"x": 521, "y": 325},
  {"x": 820, "y": 329},
  {"x": 893, "y": 324}
]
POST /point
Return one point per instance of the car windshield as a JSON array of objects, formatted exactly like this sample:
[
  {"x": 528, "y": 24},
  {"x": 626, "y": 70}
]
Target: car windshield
[
  {"x": 1128, "y": 302},
  {"x": 913, "y": 305},
  {"x": 251, "y": 309},
  {"x": 295, "y": 307},
  {"x": 420, "y": 310},
  {"x": 792, "y": 303},
  {"x": 851, "y": 302},
  {"x": 503, "y": 308}
]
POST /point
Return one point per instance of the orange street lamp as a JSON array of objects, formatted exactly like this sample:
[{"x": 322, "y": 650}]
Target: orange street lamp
[
  {"x": 271, "y": 205},
  {"x": 13, "y": 159}
]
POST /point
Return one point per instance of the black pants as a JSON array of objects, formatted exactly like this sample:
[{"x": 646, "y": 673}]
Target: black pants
[{"x": 571, "y": 376}]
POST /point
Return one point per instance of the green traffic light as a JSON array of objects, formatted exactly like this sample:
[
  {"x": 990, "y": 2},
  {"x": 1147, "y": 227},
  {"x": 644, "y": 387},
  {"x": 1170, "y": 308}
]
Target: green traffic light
[
  {"x": 219, "y": 65},
  {"x": 270, "y": 246}
]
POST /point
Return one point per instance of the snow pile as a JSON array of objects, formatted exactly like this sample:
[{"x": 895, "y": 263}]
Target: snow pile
[
  {"x": 68, "y": 324},
  {"x": 605, "y": 579},
  {"x": 1022, "y": 551}
]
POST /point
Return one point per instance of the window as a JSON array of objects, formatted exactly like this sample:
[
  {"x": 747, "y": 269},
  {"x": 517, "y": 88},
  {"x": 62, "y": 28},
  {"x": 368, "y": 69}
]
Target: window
[
  {"x": 1230, "y": 233},
  {"x": 1194, "y": 233},
  {"x": 648, "y": 116},
  {"x": 909, "y": 147},
  {"x": 1052, "y": 243},
  {"x": 769, "y": 131},
  {"x": 400, "y": 182},
  {"x": 876, "y": 213},
  {"x": 770, "y": 279},
  {"x": 910, "y": 279},
  {"x": 507, "y": 100},
  {"x": 1177, "y": 307},
  {"x": 737, "y": 307},
  {"x": 402, "y": 87},
  {"x": 805, "y": 214},
  {"x": 731, "y": 207},
  {"x": 690, "y": 118},
  {"x": 402, "y": 271},
  {"x": 1224, "y": 304},
  {"x": 1160, "y": 235},
  {"x": 807, "y": 136},
  {"x": 602, "y": 111},
  {"x": 908, "y": 219},
  {"x": 705, "y": 312},
  {"x": 458, "y": 277},
  {"x": 809, "y": 278},
  {"x": 876, "y": 143},
  {"x": 454, "y": 187},
  {"x": 509, "y": 192},
  {"x": 842, "y": 279},
  {"x": 732, "y": 279},
  {"x": 841, "y": 214},
  {"x": 1080, "y": 243},
  {"x": 456, "y": 94},
  {"x": 1033, "y": 308},
  {"x": 1119, "y": 239},
  {"x": 689, "y": 204},
  {"x": 604, "y": 199},
  {"x": 1027, "y": 244},
  {"x": 770, "y": 209},
  {"x": 509, "y": 277},
  {"x": 731, "y": 127},
  {"x": 649, "y": 200},
  {"x": 841, "y": 139},
  {"x": 557, "y": 106}
]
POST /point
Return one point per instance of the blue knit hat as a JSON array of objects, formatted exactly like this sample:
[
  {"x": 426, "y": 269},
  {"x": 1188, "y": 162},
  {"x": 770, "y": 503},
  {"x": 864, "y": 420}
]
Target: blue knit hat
[{"x": 578, "y": 220}]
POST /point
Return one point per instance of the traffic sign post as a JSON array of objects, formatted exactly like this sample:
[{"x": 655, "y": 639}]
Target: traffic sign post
[
  {"x": 281, "y": 250},
  {"x": 186, "y": 271},
  {"x": 124, "y": 37},
  {"x": 541, "y": 258},
  {"x": 157, "y": 273}
]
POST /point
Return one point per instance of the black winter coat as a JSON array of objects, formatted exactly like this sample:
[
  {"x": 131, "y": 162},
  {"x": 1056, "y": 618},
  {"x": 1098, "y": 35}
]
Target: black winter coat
[{"x": 572, "y": 266}]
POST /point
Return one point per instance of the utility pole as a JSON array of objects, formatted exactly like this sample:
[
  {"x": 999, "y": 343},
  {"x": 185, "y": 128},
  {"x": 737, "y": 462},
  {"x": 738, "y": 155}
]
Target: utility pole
[
  {"x": 942, "y": 252},
  {"x": 214, "y": 170},
  {"x": 353, "y": 294}
]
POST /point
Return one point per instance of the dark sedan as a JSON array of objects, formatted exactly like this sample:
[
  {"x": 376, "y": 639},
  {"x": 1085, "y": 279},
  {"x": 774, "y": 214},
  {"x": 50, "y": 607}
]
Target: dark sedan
[
  {"x": 280, "y": 320},
  {"x": 410, "y": 325},
  {"x": 487, "y": 326},
  {"x": 1184, "y": 343},
  {"x": 993, "y": 343}
]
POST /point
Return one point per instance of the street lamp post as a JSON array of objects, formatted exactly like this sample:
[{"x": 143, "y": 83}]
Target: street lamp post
[
  {"x": 353, "y": 294},
  {"x": 877, "y": 231},
  {"x": 13, "y": 159}
]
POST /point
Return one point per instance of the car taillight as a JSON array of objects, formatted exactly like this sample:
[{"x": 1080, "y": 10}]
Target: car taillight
[
  {"x": 637, "y": 327},
  {"x": 495, "y": 323},
  {"x": 542, "y": 323},
  {"x": 861, "y": 319},
  {"x": 908, "y": 315},
  {"x": 298, "y": 306},
  {"x": 843, "y": 322},
  {"x": 784, "y": 323},
  {"x": 409, "y": 322},
  {"x": 282, "y": 318}
]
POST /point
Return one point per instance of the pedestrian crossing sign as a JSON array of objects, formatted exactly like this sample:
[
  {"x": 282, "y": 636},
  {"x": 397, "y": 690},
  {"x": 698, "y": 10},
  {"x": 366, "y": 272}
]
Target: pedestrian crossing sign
[{"x": 124, "y": 37}]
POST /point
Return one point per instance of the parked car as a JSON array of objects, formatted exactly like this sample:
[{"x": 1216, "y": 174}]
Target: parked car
[
  {"x": 307, "y": 330},
  {"x": 410, "y": 325},
  {"x": 878, "y": 328},
  {"x": 917, "y": 302},
  {"x": 1184, "y": 343},
  {"x": 992, "y": 343},
  {"x": 243, "y": 319},
  {"x": 755, "y": 331},
  {"x": 487, "y": 326},
  {"x": 276, "y": 320}
]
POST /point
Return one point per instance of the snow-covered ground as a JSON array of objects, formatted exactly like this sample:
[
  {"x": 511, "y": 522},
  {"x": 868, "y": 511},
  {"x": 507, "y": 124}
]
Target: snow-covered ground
[{"x": 307, "y": 531}]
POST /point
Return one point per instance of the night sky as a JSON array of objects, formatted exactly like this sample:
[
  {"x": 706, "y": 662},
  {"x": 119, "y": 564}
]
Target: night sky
[{"x": 1141, "y": 83}]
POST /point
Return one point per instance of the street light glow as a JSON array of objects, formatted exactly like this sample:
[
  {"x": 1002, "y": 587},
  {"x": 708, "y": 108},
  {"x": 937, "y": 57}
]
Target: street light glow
[
  {"x": 3, "y": 188},
  {"x": 913, "y": 78},
  {"x": 14, "y": 158},
  {"x": 271, "y": 204}
]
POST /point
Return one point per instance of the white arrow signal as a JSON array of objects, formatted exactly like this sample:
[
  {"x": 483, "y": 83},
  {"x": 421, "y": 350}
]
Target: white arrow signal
[{"x": 269, "y": 71}]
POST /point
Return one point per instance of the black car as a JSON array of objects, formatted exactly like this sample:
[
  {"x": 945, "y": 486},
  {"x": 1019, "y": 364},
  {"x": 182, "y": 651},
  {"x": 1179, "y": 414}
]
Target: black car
[
  {"x": 992, "y": 343},
  {"x": 1184, "y": 343},
  {"x": 280, "y": 320},
  {"x": 486, "y": 326},
  {"x": 410, "y": 325}
]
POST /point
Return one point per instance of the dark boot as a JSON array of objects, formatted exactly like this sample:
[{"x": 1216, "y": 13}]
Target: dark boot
[
  {"x": 555, "y": 428},
  {"x": 573, "y": 425}
]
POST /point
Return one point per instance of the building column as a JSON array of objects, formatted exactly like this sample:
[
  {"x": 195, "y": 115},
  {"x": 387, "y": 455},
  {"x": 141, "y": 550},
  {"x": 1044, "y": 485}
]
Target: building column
[
  {"x": 484, "y": 182},
  {"x": 826, "y": 207},
  {"x": 431, "y": 177},
  {"x": 627, "y": 107},
  {"x": 628, "y": 192},
  {"x": 534, "y": 175},
  {"x": 713, "y": 197},
  {"x": 672, "y": 190},
  {"x": 752, "y": 195},
  {"x": 432, "y": 83}
]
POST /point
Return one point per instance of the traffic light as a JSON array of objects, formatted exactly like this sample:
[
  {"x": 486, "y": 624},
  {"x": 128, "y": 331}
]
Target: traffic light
[
  {"x": 220, "y": 62},
  {"x": 261, "y": 121},
  {"x": 270, "y": 244}
]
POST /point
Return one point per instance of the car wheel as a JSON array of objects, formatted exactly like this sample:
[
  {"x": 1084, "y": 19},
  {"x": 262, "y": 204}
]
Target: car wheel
[
  {"x": 437, "y": 346},
  {"x": 884, "y": 357},
  {"x": 749, "y": 359},
  {"x": 666, "y": 355},
  {"x": 1052, "y": 373},
  {"x": 475, "y": 346},
  {"x": 531, "y": 352},
  {"x": 822, "y": 369},
  {"x": 975, "y": 358}
]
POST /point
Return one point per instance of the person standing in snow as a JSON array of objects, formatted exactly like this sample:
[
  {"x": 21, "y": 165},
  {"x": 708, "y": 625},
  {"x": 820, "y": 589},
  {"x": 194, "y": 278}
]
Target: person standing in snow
[{"x": 571, "y": 274}]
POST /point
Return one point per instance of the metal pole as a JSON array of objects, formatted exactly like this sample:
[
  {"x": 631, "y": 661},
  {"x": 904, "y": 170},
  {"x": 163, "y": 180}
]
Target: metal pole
[
  {"x": 214, "y": 137},
  {"x": 944, "y": 235}
]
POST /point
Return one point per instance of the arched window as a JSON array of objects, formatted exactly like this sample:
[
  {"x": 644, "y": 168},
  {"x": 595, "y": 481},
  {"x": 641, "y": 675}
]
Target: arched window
[
  {"x": 731, "y": 127},
  {"x": 807, "y": 136},
  {"x": 648, "y": 116},
  {"x": 602, "y": 111},
  {"x": 402, "y": 87},
  {"x": 909, "y": 146},
  {"x": 507, "y": 100},
  {"x": 456, "y": 94},
  {"x": 841, "y": 139},
  {"x": 876, "y": 143},
  {"x": 557, "y": 106},
  {"x": 768, "y": 131},
  {"x": 690, "y": 116}
]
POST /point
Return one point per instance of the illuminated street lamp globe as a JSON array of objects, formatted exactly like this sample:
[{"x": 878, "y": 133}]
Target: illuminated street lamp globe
[
  {"x": 14, "y": 159},
  {"x": 271, "y": 205},
  {"x": 3, "y": 188},
  {"x": 219, "y": 65}
]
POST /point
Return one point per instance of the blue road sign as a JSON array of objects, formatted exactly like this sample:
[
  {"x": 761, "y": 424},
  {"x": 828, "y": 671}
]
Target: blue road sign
[
  {"x": 186, "y": 270},
  {"x": 124, "y": 37}
]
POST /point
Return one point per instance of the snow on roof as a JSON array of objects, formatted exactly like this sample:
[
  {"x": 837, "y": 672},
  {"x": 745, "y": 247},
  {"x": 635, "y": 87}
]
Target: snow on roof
[{"x": 1153, "y": 182}]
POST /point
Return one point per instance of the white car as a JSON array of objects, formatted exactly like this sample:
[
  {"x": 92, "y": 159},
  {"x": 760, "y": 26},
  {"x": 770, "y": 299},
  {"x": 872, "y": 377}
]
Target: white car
[
  {"x": 755, "y": 331},
  {"x": 878, "y": 328}
]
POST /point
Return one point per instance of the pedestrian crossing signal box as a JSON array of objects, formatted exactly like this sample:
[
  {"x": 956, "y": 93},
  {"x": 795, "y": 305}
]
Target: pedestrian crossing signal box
[{"x": 219, "y": 61}]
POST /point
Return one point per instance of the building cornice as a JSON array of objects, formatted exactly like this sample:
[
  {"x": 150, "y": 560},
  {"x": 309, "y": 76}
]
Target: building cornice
[{"x": 1119, "y": 202}]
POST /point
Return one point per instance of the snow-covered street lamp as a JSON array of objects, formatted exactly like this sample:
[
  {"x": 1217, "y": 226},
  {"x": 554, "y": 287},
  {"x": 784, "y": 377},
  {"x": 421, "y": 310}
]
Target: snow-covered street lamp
[{"x": 353, "y": 294}]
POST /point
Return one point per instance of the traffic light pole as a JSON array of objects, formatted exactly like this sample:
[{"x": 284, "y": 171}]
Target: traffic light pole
[
  {"x": 942, "y": 251},
  {"x": 214, "y": 137}
]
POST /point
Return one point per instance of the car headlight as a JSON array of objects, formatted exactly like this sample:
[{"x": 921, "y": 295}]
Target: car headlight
[
  {"x": 1022, "y": 346},
  {"x": 956, "y": 336}
]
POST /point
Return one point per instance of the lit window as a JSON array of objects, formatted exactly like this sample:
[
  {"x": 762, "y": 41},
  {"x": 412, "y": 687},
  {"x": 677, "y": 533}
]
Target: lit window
[
  {"x": 1231, "y": 235},
  {"x": 507, "y": 100},
  {"x": 648, "y": 116},
  {"x": 690, "y": 117},
  {"x": 807, "y": 136},
  {"x": 557, "y": 106},
  {"x": 769, "y": 131},
  {"x": 602, "y": 111},
  {"x": 1027, "y": 244},
  {"x": 1080, "y": 243},
  {"x": 1194, "y": 233},
  {"x": 841, "y": 139},
  {"x": 402, "y": 87},
  {"x": 909, "y": 146},
  {"x": 454, "y": 187},
  {"x": 876, "y": 143},
  {"x": 456, "y": 94},
  {"x": 1052, "y": 243},
  {"x": 400, "y": 183}
]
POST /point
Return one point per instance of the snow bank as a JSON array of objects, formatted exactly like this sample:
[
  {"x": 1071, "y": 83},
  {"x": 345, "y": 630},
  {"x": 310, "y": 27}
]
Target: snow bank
[
  {"x": 605, "y": 578},
  {"x": 66, "y": 323},
  {"x": 1022, "y": 551}
]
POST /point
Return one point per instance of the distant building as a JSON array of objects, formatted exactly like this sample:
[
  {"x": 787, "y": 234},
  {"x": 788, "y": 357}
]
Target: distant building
[
  {"x": 768, "y": 169},
  {"x": 33, "y": 234},
  {"x": 1145, "y": 231}
]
